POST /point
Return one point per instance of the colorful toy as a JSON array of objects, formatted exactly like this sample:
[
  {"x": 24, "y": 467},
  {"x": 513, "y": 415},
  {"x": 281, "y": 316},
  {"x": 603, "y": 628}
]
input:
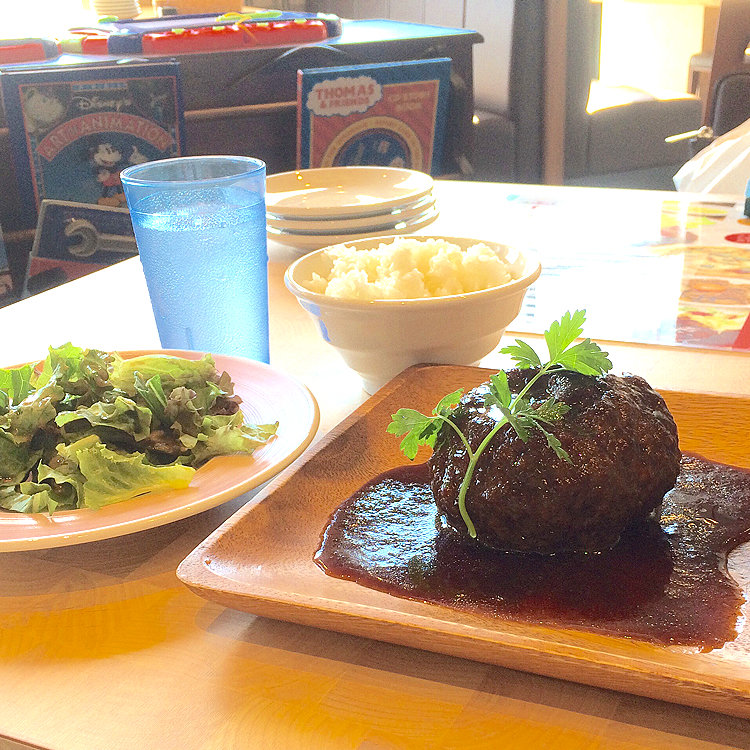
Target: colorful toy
[
  {"x": 27, "y": 50},
  {"x": 205, "y": 32}
]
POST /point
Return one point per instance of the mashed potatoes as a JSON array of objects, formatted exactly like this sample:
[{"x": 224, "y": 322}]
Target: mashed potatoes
[{"x": 410, "y": 269}]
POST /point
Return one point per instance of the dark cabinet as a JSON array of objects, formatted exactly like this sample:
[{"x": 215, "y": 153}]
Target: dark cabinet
[{"x": 244, "y": 101}]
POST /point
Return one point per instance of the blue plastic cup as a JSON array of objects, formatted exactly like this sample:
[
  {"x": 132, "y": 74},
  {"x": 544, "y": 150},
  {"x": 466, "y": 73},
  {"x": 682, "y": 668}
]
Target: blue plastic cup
[{"x": 200, "y": 225}]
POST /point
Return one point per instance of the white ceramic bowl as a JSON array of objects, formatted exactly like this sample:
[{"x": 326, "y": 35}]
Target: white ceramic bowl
[{"x": 380, "y": 338}]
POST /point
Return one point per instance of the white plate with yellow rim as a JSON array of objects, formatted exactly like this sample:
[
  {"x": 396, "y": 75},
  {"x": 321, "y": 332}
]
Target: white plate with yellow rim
[
  {"x": 343, "y": 192},
  {"x": 315, "y": 241},
  {"x": 367, "y": 223}
]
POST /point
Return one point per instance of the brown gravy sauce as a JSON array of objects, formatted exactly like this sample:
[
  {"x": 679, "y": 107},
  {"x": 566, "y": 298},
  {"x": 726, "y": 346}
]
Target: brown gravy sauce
[{"x": 664, "y": 582}]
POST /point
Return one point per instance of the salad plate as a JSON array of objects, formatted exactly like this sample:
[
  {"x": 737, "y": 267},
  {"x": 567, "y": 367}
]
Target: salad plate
[
  {"x": 267, "y": 396},
  {"x": 262, "y": 560}
]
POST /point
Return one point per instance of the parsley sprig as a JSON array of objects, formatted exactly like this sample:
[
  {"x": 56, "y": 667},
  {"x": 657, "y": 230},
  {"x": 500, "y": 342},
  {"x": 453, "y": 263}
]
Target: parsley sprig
[{"x": 515, "y": 410}]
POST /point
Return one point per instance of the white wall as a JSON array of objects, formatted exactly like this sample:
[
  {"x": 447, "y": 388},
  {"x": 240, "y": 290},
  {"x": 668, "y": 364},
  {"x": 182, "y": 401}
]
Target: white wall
[
  {"x": 444, "y": 13},
  {"x": 649, "y": 45},
  {"x": 492, "y": 18}
]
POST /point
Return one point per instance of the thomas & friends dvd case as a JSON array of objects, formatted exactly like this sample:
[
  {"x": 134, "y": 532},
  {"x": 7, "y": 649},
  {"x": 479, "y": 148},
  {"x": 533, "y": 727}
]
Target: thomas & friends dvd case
[{"x": 383, "y": 114}]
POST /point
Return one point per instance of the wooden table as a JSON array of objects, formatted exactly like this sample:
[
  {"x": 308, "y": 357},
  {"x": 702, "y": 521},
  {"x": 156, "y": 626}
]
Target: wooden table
[{"x": 102, "y": 648}]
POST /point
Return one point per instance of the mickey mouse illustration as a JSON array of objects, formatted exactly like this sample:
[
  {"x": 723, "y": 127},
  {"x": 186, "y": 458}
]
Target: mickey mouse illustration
[{"x": 107, "y": 162}]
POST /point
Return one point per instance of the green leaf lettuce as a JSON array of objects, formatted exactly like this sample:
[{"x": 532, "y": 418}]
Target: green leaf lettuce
[
  {"x": 122, "y": 414},
  {"x": 172, "y": 371},
  {"x": 225, "y": 434},
  {"x": 112, "y": 477}
]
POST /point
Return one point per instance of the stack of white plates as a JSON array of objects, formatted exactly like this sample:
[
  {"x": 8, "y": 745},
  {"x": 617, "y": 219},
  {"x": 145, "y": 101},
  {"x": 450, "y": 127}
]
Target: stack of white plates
[
  {"x": 312, "y": 208},
  {"x": 123, "y": 9}
]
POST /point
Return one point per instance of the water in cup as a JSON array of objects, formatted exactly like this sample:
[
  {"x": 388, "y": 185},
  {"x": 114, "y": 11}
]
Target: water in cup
[{"x": 203, "y": 244}]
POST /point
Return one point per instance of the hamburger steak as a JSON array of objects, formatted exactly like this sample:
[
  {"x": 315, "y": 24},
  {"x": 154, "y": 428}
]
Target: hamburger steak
[{"x": 622, "y": 443}]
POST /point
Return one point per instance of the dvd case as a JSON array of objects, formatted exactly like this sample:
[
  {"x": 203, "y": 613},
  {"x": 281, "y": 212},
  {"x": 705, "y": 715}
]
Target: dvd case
[
  {"x": 73, "y": 129},
  {"x": 385, "y": 114}
]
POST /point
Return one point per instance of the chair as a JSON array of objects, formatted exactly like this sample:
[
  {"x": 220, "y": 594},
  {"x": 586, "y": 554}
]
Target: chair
[
  {"x": 613, "y": 136},
  {"x": 732, "y": 38},
  {"x": 729, "y": 108},
  {"x": 730, "y": 103}
]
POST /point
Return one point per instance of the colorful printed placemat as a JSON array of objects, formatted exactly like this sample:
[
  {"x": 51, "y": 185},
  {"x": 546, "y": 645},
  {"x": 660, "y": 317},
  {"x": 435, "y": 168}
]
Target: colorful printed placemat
[{"x": 670, "y": 272}]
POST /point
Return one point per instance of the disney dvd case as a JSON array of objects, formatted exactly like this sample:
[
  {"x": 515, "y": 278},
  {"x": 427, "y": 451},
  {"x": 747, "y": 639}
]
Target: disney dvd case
[
  {"x": 384, "y": 114},
  {"x": 73, "y": 129},
  {"x": 75, "y": 239}
]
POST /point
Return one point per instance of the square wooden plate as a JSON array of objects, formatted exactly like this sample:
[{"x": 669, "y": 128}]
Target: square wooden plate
[{"x": 261, "y": 561}]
